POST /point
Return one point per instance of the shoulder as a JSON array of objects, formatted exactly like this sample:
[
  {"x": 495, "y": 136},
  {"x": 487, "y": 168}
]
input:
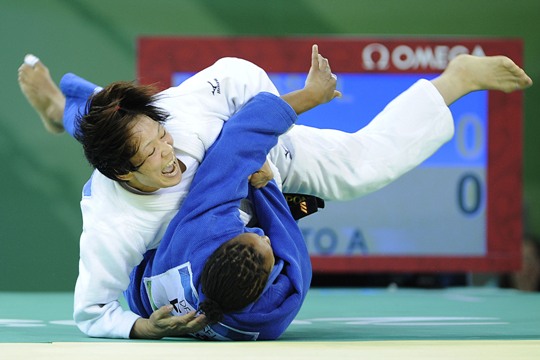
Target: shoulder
[
  {"x": 234, "y": 61},
  {"x": 238, "y": 66}
]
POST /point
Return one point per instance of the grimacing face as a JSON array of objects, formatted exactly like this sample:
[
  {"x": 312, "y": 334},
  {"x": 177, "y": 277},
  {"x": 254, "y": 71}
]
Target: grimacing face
[{"x": 157, "y": 164}]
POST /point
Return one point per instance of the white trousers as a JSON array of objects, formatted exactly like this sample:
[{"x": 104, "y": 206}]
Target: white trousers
[{"x": 337, "y": 165}]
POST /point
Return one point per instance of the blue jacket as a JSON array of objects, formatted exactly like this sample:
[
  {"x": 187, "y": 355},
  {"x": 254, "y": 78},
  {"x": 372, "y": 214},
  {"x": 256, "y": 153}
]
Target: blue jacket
[{"x": 209, "y": 217}]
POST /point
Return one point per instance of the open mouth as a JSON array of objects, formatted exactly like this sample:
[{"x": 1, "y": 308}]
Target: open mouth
[{"x": 171, "y": 169}]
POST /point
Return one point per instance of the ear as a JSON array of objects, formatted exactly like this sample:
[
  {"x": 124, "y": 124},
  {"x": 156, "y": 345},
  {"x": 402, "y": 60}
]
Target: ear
[{"x": 125, "y": 177}]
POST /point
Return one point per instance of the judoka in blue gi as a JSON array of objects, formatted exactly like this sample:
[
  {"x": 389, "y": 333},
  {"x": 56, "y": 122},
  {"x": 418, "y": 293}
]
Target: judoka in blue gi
[{"x": 186, "y": 269}]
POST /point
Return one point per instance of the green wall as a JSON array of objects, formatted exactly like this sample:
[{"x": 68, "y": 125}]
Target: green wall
[{"x": 42, "y": 174}]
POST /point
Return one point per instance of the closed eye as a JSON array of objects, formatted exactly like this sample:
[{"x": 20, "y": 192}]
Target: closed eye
[{"x": 162, "y": 136}]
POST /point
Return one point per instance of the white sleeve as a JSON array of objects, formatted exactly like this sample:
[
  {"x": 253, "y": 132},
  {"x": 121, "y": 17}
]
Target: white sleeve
[
  {"x": 201, "y": 104},
  {"x": 105, "y": 264},
  {"x": 336, "y": 165}
]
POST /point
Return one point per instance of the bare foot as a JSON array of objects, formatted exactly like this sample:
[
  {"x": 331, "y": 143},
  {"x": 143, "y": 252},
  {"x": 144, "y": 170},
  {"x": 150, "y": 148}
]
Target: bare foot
[
  {"x": 43, "y": 94},
  {"x": 467, "y": 73}
]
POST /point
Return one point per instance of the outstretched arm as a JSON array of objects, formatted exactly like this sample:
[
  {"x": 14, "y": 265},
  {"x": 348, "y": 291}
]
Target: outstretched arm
[{"x": 320, "y": 88}]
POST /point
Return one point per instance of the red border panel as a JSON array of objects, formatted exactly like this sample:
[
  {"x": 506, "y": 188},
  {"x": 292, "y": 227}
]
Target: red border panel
[{"x": 159, "y": 57}]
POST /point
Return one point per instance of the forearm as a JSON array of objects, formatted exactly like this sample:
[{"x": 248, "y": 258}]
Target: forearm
[
  {"x": 142, "y": 329},
  {"x": 300, "y": 100},
  {"x": 104, "y": 273},
  {"x": 107, "y": 321}
]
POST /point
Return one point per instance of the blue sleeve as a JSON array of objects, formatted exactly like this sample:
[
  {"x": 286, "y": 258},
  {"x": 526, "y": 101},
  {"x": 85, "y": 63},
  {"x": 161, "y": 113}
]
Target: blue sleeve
[
  {"x": 239, "y": 151},
  {"x": 77, "y": 92},
  {"x": 209, "y": 212}
]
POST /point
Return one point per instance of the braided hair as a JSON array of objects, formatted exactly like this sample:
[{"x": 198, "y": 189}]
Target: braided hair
[
  {"x": 233, "y": 277},
  {"x": 105, "y": 130}
]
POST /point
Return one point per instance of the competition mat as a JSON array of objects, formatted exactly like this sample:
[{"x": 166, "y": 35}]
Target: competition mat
[{"x": 337, "y": 323}]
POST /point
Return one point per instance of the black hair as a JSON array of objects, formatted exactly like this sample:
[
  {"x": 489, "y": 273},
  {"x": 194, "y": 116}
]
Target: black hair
[
  {"x": 105, "y": 130},
  {"x": 233, "y": 277}
]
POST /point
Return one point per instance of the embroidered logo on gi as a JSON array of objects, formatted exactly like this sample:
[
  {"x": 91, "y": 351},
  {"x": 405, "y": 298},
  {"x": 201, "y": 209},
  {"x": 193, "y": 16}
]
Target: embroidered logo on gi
[
  {"x": 303, "y": 207},
  {"x": 215, "y": 88}
]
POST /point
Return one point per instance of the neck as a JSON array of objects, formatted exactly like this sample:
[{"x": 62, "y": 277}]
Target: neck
[{"x": 133, "y": 188}]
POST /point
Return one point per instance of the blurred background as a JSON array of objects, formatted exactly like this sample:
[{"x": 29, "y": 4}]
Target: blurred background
[{"x": 42, "y": 174}]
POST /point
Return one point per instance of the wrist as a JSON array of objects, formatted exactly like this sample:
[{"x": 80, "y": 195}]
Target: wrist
[
  {"x": 301, "y": 100},
  {"x": 142, "y": 330}
]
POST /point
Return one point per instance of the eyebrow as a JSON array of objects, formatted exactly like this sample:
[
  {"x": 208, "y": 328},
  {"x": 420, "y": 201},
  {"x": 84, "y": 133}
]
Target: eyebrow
[{"x": 158, "y": 134}]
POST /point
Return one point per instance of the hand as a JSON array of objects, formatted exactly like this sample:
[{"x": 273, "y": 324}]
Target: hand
[
  {"x": 320, "y": 80},
  {"x": 163, "y": 324},
  {"x": 262, "y": 177},
  {"x": 320, "y": 86}
]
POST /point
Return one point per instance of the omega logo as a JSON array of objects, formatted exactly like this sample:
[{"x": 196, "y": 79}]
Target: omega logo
[{"x": 403, "y": 57}]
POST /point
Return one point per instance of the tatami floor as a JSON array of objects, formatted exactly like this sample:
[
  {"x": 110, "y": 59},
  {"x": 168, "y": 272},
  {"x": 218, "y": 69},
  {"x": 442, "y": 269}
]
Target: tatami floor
[{"x": 453, "y": 323}]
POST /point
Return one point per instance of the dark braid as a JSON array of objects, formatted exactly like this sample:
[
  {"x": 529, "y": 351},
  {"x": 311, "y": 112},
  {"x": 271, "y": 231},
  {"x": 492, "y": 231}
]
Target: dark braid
[
  {"x": 233, "y": 277},
  {"x": 105, "y": 129}
]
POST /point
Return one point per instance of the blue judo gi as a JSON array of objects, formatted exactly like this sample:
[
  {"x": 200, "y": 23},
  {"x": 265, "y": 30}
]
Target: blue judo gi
[{"x": 209, "y": 217}]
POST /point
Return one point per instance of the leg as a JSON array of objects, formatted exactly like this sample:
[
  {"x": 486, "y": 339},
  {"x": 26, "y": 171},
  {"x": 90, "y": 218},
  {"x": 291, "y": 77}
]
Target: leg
[
  {"x": 77, "y": 92},
  {"x": 336, "y": 165},
  {"x": 58, "y": 107},
  {"x": 43, "y": 94},
  {"x": 339, "y": 166},
  {"x": 467, "y": 73}
]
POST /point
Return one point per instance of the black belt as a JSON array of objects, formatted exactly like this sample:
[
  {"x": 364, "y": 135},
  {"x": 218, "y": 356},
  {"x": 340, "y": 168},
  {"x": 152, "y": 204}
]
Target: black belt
[{"x": 303, "y": 205}]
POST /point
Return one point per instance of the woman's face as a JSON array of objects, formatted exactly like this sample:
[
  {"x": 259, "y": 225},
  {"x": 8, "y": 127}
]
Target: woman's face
[{"x": 157, "y": 164}]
